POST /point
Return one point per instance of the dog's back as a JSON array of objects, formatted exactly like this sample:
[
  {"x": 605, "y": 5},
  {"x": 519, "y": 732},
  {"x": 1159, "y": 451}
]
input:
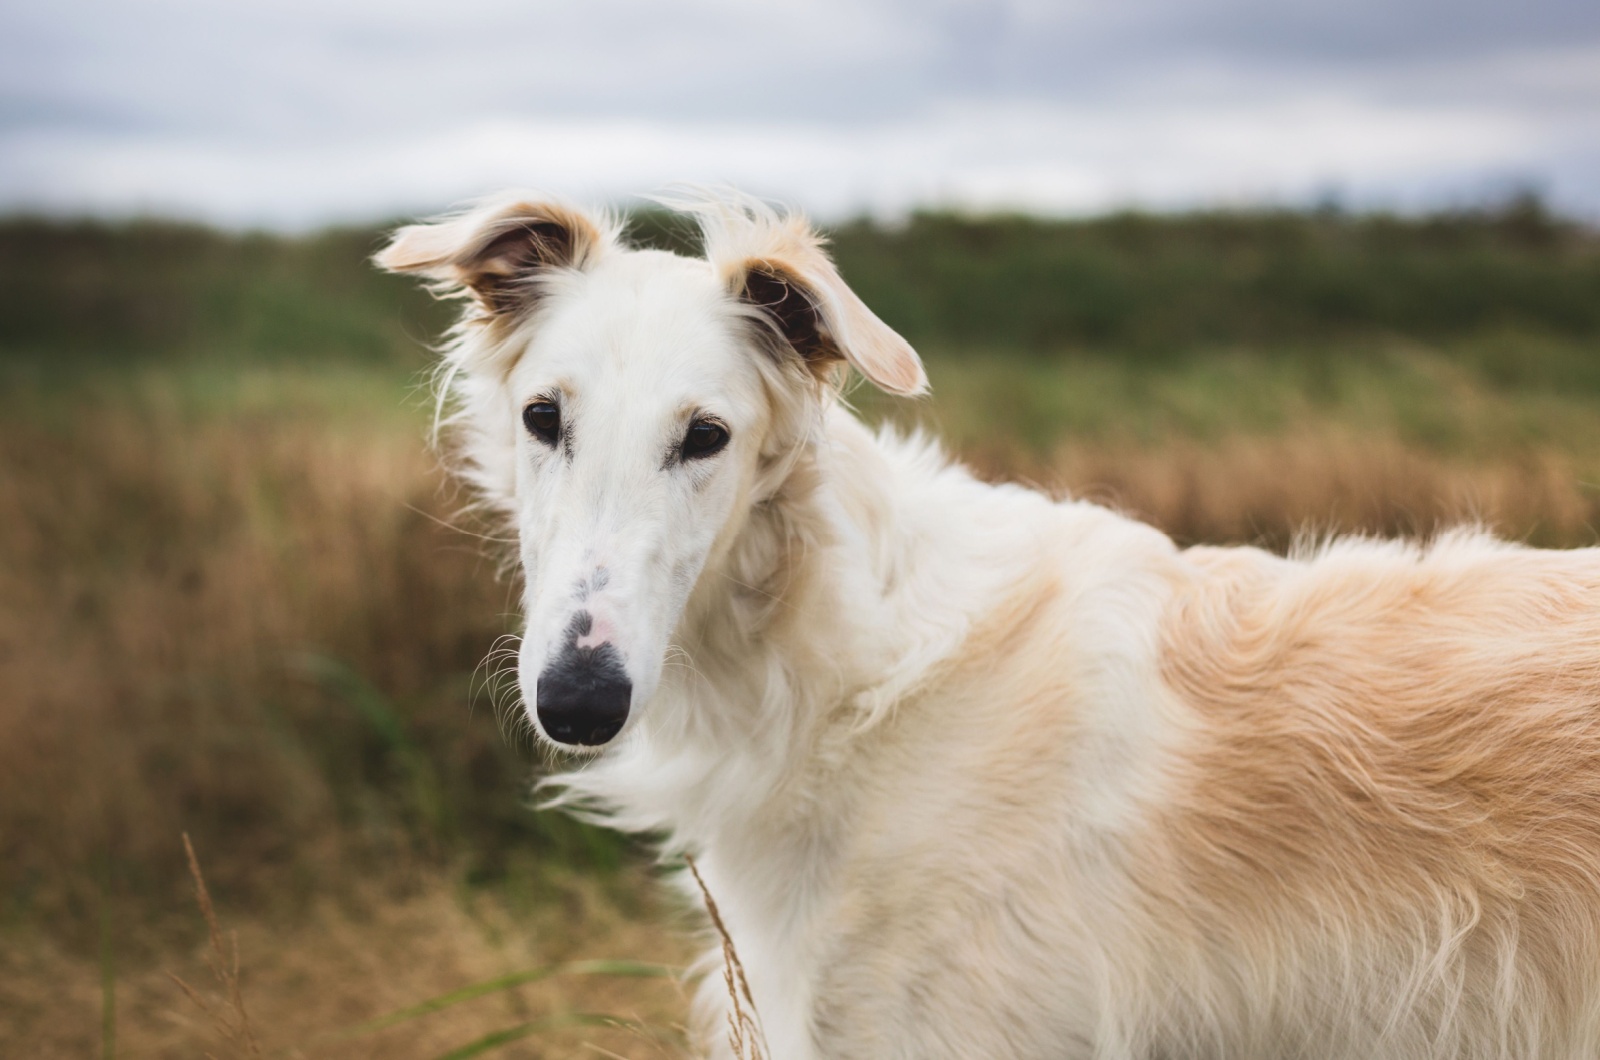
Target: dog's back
[
  {"x": 1223, "y": 804},
  {"x": 1388, "y": 825}
]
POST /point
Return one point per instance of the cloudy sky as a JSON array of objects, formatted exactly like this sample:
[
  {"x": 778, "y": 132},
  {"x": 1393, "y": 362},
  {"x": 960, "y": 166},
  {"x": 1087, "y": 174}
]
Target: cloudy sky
[{"x": 300, "y": 112}]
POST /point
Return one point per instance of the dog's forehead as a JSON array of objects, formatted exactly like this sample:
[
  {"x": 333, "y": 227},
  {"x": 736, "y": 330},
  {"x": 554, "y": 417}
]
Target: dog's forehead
[{"x": 652, "y": 322}]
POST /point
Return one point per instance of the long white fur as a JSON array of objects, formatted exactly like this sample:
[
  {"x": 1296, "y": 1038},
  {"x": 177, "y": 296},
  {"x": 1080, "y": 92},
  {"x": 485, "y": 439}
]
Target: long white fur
[{"x": 970, "y": 771}]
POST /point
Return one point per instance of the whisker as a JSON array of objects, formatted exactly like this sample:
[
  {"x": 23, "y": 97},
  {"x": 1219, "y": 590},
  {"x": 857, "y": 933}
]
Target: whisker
[
  {"x": 498, "y": 662},
  {"x": 681, "y": 659},
  {"x": 446, "y": 524}
]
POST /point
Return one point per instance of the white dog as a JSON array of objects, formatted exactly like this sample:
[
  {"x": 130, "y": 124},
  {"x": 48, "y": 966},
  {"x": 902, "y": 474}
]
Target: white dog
[{"x": 973, "y": 773}]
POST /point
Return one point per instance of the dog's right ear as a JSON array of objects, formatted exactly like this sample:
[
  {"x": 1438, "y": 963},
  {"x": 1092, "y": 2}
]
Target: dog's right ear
[{"x": 497, "y": 252}]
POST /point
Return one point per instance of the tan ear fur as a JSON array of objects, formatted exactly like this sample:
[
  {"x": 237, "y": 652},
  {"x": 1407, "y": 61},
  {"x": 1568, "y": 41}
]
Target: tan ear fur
[
  {"x": 493, "y": 250},
  {"x": 776, "y": 263}
]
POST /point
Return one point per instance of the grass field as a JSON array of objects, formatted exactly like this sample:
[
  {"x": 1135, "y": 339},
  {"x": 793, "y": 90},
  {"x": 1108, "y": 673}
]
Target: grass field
[{"x": 239, "y": 600}]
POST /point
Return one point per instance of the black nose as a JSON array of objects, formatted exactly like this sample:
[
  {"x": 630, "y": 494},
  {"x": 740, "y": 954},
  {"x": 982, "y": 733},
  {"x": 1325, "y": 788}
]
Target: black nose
[{"x": 583, "y": 695}]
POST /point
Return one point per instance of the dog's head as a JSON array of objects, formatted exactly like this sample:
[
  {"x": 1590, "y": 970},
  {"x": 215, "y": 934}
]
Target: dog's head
[{"x": 627, "y": 408}]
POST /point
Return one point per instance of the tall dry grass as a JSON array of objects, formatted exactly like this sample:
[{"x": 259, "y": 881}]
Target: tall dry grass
[
  {"x": 167, "y": 566},
  {"x": 1276, "y": 490},
  {"x": 164, "y": 571},
  {"x": 159, "y": 573},
  {"x": 311, "y": 982}
]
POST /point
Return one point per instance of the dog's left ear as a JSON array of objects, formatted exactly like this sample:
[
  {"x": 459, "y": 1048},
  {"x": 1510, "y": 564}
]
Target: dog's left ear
[
  {"x": 776, "y": 265},
  {"x": 497, "y": 251}
]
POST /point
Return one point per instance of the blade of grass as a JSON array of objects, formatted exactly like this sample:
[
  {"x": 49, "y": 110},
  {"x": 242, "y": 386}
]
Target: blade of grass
[
  {"x": 746, "y": 1038},
  {"x": 356, "y": 690},
  {"x": 234, "y": 1021},
  {"x": 621, "y": 969},
  {"x": 375, "y": 708},
  {"x": 495, "y": 1039},
  {"x": 108, "y": 971}
]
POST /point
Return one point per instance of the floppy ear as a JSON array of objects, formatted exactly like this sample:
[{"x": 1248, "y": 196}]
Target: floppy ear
[
  {"x": 497, "y": 251},
  {"x": 776, "y": 265}
]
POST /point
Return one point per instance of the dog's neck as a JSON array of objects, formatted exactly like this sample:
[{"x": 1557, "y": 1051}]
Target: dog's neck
[{"x": 798, "y": 660}]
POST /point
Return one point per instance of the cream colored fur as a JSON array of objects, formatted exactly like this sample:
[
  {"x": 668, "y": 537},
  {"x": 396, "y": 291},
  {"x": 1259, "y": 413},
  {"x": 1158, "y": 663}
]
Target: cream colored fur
[{"x": 973, "y": 773}]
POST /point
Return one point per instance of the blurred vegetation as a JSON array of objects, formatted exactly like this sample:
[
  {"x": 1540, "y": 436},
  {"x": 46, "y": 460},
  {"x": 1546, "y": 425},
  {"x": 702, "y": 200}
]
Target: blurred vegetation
[
  {"x": 1151, "y": 285},
  {"x": 164, "y": 291},
  {"x": 1142, "y": 285},
  {"x": 239, "y": 598},
  {"x": 258, "y": 619}
]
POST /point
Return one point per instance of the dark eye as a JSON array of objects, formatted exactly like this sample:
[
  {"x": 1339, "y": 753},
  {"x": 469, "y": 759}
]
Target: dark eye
[
  {"x": 543, "y": 421},
  {"x": 705, "y": 437}
]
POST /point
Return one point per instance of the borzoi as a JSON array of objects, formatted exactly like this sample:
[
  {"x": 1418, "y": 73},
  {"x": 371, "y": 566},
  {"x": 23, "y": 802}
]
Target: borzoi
[{"x": 974, "y": 773}]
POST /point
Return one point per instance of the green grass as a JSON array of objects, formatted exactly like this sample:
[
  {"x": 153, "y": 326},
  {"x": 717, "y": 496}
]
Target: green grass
[
  {"x": 1145, "y": 287},
  {"x": 1438, "y": 399},
  {"x": 1151, "y": 286},
  {"x": 75, "y": 295}
]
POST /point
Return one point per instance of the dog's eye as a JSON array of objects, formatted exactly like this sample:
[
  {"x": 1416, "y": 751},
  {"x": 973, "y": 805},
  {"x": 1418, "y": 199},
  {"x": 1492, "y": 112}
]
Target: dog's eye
[
  {"x": 705, "y": 437},
  {"x": 543, "y": 421}
]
